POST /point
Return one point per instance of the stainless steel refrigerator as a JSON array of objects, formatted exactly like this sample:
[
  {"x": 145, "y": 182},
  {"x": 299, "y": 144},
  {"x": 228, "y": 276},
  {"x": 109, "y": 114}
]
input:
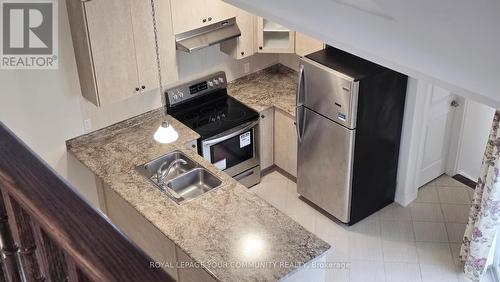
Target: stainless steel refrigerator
[{"x": 349, "y": 119}]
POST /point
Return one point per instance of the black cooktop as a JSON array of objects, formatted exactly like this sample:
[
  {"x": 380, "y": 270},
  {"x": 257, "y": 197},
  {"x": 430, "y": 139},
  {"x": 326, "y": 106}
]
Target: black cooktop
[{"x": 212, "y": 114}]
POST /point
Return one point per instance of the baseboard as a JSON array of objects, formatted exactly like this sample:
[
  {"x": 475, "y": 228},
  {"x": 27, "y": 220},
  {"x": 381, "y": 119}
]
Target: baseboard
[
  {"x": 274, "y": 168},
  {"x": 406, "y": 199}
]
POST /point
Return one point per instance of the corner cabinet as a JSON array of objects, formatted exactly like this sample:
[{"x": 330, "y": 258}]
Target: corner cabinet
[
  {"x": 285, "y": 142},
  {"x": 244, "y": 45},
  {"x": 274, "y": 38},
  {"x": 115, "y": 48},
  {"x": 192, "y": 14}
]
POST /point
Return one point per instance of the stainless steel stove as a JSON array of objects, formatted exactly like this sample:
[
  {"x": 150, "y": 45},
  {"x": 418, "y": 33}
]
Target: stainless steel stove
[{"x": 228, "y": 129}]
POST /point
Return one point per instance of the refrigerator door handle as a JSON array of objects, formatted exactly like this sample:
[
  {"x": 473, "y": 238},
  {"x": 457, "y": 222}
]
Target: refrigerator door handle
[
  {"x": 299, "y": 116},
  {"x": 300, "y": 85}
]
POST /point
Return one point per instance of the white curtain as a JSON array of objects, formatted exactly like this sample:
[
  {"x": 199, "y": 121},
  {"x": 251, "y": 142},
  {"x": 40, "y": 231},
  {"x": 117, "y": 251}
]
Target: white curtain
[{"x": 484, "y": 216}]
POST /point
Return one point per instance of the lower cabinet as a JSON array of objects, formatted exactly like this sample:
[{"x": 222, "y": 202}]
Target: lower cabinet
[
  {"x": 187, "y": 272},
  {"x": 140, "y": 231},
  {"x": 145, "y": 235},
  {"x": 266, "y": 135},
  {"x": 285, "y": 142},
  {"x": 192, "y": 145}
]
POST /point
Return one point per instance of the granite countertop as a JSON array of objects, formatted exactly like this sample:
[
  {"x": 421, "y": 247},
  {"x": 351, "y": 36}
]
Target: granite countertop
[
  {"x": 212, "y": 228},
  {"x": 274, "y": 86}
]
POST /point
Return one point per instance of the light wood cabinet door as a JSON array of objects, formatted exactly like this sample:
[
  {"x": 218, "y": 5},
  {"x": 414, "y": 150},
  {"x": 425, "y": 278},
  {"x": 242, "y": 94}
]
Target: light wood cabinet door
[
  {"x": 191, "y": 274},
  {"x": 189, "y": 14},
  {"x": 273, "y": 37},
  {"x": 115, "y": 48},
  {"x": 192, "y": 14},
  {"x": 166, "y": 38},
  {"x": 243, "y": 46},
  {"x": 218, "y": 10},
  {"x": 109, "y": 26},
  {"x": 306, "y": 45},
  {"x": 151, "y": 240},
  {"x": 192, "y": 145},
  {"x": 145, "y": 47},
  {"x": 285, "y": 142},
  {"x": 266, "y": 135}
]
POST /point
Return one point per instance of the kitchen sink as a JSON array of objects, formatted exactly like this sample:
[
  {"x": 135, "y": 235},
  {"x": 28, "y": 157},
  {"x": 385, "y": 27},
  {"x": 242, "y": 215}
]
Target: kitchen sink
[
  {"x": 150, "y": 168},
  {"x": 184, "y": 181},
  {"x": 193, "y": 183}
]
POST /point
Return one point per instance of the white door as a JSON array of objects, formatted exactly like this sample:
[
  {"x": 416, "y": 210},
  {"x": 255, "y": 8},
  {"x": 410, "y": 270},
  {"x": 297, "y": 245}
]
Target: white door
[{"x": 435, "y": 142}]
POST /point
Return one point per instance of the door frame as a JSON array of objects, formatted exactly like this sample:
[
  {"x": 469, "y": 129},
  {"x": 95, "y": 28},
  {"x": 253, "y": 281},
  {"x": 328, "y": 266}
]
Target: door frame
[{"x": 411, "y": 150}]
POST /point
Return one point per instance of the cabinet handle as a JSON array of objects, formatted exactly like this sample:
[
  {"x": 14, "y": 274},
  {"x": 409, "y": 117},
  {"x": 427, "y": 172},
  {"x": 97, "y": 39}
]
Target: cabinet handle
[
  {"x": 193, "y": 146},
  {"x": 242, "y": 53},
  {"x": 204, "y": 20},
  {"x": 263, "y": 116},
  {"x": 260, "y": 47},
  {"x": 143, "y": 87},
  {"x": 209, "y": 18},
  {"x": 137, "y": 89}
]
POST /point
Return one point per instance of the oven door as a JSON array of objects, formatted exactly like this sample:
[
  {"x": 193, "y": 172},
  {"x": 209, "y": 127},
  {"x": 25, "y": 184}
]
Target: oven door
[{"x": 234, "y": 150}]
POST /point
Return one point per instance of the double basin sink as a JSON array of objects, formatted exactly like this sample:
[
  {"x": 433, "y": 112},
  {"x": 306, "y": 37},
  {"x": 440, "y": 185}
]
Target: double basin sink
[{"x": 179, "y": 177}]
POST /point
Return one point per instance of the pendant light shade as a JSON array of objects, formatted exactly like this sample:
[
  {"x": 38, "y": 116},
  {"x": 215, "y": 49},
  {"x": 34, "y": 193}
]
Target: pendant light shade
[{"x": 166, "y": 133}]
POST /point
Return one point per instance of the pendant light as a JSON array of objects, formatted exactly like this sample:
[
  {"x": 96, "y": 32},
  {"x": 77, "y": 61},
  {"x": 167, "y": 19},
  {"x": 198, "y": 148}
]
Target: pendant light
[{"x": 166, "y": 132}]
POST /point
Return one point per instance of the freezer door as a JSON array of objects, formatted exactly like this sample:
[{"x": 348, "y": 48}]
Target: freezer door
[
  {"x": 325, "y": 163},
  {"x": 328, "y": 92}
]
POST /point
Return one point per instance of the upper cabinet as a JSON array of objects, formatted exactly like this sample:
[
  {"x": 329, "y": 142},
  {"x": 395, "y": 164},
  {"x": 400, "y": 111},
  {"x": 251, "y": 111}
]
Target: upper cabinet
[
  {"x": 306, "y": 45},
  {"x": 274, "y": 38},
  {"x": 244, "y": 45},
  {"x": 166, "y": 43},
  {"x": 115, "y": 48},
  {"x": 192, "y": 14}
]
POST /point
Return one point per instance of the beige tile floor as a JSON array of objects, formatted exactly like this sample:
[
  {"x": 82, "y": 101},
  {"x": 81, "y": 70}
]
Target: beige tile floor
[{"x": 420, "y": 242}]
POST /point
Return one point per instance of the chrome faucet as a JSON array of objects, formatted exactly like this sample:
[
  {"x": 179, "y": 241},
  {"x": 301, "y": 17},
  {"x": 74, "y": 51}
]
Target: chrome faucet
[{"x": 162, "y": 173}]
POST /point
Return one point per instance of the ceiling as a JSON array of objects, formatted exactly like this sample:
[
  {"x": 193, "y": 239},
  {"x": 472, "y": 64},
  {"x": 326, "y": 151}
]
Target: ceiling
[{"x": 452, "y": 43}]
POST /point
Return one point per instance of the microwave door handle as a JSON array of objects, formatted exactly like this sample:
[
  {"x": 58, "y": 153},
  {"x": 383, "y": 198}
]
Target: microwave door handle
[
  {"x": 299, "y": 116},
  {"x": 229, "y": 134},
  {"x": 300, "y": 82}
]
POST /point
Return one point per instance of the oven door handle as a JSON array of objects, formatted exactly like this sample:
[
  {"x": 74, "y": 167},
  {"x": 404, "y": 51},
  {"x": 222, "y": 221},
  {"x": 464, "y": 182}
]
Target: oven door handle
[{"x": 229, "y": 133}]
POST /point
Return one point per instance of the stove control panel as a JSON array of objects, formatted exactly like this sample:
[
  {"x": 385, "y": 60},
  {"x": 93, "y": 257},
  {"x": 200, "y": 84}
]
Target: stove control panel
[{"x": 196, "y": 88}]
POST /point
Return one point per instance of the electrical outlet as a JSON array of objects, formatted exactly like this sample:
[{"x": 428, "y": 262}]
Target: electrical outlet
[
  {"x": 87, "y": 124},
  {"x": 246, "y": 66}
]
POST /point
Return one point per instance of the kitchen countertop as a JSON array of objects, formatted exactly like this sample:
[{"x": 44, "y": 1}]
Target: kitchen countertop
[
  {"x": 274, "y": 86},
  {"x": 212, "y": 228}
]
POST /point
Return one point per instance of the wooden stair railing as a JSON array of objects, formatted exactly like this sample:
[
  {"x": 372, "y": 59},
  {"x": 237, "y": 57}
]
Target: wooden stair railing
[{"x": 49, "y": 233}]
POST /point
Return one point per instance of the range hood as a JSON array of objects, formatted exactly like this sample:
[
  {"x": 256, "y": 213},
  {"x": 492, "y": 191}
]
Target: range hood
[{"x": 207, "y": 35}]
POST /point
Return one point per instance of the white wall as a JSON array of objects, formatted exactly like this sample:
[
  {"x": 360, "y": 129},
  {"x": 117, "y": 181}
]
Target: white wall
[
  {"x": 475, "y": 131},
  {"x": 42, "y": 106},
  {"x": 45, "y": 108}
]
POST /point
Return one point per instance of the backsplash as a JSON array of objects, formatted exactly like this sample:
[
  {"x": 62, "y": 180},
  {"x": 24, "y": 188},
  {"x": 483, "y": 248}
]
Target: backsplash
[{"x": 196, "y": 64}]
